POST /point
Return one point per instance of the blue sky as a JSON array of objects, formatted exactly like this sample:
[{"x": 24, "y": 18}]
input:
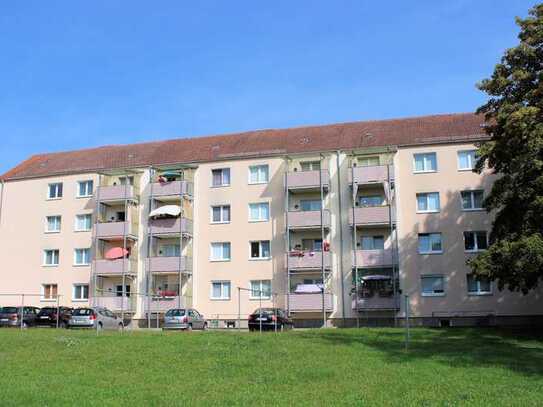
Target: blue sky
[{"x": 82, "y": 74}]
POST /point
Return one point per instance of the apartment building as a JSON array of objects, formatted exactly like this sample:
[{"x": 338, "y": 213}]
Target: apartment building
[{"x": 346, "y": 224}]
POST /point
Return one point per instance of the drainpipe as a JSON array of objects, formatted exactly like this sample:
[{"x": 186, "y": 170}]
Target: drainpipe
[{"x": 340, "y": 239}]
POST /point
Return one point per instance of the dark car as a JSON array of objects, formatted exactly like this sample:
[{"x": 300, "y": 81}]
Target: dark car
[
  {"x": 11, "y": 316},
  {"x": 48, "y": 316},
  {"x": 269, "y": 319}
]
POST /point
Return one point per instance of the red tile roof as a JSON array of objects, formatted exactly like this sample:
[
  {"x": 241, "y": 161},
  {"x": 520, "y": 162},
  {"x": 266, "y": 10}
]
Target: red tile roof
[{"x": 343, "y": 136}]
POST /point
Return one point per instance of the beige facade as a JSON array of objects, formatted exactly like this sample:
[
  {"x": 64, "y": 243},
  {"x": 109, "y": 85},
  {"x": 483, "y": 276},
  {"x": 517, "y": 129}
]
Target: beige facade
[{"x": 365, "y": 227}]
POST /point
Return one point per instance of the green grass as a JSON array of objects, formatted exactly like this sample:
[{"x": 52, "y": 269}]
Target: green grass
[{"x": 316, "y": 367}]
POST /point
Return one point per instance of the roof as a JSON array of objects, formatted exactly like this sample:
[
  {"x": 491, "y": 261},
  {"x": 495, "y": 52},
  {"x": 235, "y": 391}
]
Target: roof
[{"x": 342, "y": 136}]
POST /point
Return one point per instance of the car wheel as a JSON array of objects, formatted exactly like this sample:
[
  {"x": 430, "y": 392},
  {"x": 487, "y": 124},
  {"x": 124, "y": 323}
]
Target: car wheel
[
  {"x": 100, "y": 326},
  {"x": 120, "y": 327},
  {"x": 25, "y": 325},
  {"x": 189, "y": 328},
  {"x": 205, "y": 326}
]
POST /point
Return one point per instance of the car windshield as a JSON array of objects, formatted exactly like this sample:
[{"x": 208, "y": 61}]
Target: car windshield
[
  {"x": 9, "y": 310},
  {"x": 83, "y": 312},
  {"x": 175, "y": 313},
  {"x": 47, "y": 310},
  {"x": 266, "y": 311}
]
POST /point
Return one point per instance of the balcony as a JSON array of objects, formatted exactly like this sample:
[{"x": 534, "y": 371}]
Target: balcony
[
  {"x": 308, "y": 179},
  {"x": 169, "y": 264},
  {"x": 371, "y": 215},
  {"x": 376, "y": 174},
  {"x": 171, "y": 188},
  {"x": 310, "y": 302},
  {"x": 309, "y": 260},
  {"x": 114, "y": 230},
  {"x": 170, "y": 226},
  {"x": 115, "y": 267},
  {"x": 308, "y": 219},
  {"x": 373, "y": 258},
  {"x": 163, "y": 304},
  {"x": 115, "y": 193},
  {"x": 376, "y": 303},
  {"x": 116, "y": 304}
]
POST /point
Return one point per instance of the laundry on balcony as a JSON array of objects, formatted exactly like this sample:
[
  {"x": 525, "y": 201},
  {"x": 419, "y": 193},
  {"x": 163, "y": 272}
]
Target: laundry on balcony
[
  {"x": 117, "y": 253},
  {"x": 168, "y": 176},
  {"x": 166, "y": 211},
  {"x": 309, "y": 288}
]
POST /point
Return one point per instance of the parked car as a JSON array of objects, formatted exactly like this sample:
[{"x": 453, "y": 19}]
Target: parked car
[
  {"x": 48, "y": 316},
  {"x": 94, "y": 317},
  {"x": 269, "y": 319},
  {"x": 181, "y": 318},
  {"x": 11, "y": 316}
]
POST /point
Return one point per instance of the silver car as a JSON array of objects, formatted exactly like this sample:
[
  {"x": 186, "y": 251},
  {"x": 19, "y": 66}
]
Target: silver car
[
  {"x": 94, "y": 317},
  {"x": 181, "y": 318}
]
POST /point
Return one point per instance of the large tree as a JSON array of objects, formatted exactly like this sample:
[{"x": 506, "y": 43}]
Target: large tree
[{"x": 514, "y": 116}]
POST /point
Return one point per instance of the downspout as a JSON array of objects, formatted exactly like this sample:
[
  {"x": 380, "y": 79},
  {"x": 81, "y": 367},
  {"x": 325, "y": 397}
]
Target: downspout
[{"x": 340, "y": 239}]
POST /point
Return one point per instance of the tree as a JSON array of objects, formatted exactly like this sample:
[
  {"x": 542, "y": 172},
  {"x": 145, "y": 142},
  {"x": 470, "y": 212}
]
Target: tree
[{"x": 514, "y": 118}]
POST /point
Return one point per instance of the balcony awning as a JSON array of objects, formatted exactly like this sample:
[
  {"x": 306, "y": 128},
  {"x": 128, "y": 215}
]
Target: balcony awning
[
  {"x": 308, "y": 288},
  {"x": 171, "y": 174},
  {"x": 166, "y": 210},
  {"x": 376, "y": 277},
  {"x": 116, "y": 253}
]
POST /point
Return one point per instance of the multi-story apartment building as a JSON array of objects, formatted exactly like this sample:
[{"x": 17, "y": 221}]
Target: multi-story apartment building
[{"x": 341, "y": 225}]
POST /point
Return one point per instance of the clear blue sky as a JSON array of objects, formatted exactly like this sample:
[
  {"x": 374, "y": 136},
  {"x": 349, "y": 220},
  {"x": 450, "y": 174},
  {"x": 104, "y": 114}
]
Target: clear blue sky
[{"x": 77, "y": 74}]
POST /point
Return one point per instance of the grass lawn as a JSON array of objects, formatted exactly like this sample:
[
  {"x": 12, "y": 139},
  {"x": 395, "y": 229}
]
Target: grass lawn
[{"x": 315, "y": 367}]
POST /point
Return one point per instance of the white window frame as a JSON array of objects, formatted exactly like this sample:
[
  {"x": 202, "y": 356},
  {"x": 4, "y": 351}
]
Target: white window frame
[
  {"x": 427, "y": 196},
  {"x": 472, "y": 200},
  {"x": 222, "y": 169},
  {"x": 312, "y": 164},
  {"x": 260, "y": 250},
  {"x": 47, "y": 224},
  {"x": 222, "y": 209},
  {"x": 211, "y": 258},
  {"x": 433, "y": 294},
  {"x": 258, "y": 167},
  {"x": 476, "y": 249},
  {"x": 76, "y": 228},
  {"x": 51, "y": 198},
  {"x": 76, "y": 264},
  {"x": 261, "y": 291},
  {"x": 42, "y": 296},
  {"x": 44, "y": 264},
  {"x": 86, "y": 182},
  {"x": 80, "y": 299},
  {"x": 472, "y": 158},
  {"x": 260, "y": 219},
  {"x": 429, "y": 236},
  {"x": 423, "y": 171},
  {"x": 223, "y": 283},
  {"x": 478, "y": 292}
]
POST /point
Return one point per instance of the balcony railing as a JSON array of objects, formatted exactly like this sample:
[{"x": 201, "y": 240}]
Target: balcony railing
[
  {"x": 116, "y": 304},
  {"x": 308, "y": 179},
  {"x": 115, "y": 267},
  {"x": 115, "y": 192},
  {"x": 371, "y": 215},
  {"x": 171, "y": 188},
  {"x": 375, "y": 174},
  {"x": 376, "y": 303},
  {"x": 169, "y": 264},
  {"x": 373, "y": 258},
  {"x": 310, "y": 302},
  {"x": 163, "y": 304},
  {"x": 170, "y": 226},
  {"x": 308, "y": 219},
  {"x": 114, "y": 229},
  {"x": 309, "y": 260}
]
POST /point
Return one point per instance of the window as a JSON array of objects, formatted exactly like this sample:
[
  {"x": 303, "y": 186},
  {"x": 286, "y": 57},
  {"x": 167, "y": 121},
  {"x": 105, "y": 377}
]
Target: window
[
  {"x": 261, "y": 289},
  {"x": 467, "y": 159},
  {"x": 53, "y": 224},
  {"x": 81, "y": 257},
  {"x": 129, "y": 180},
  {"x": 170, "y": 250},
  {"x": 220, "y": 290},
  {"x": 50, "y": 257},
  {"x": 370, "y": 200},
  {"x": 258, "y": 174},
  {"x": 259, "y": 212},
  {"x": 432, "y": 286},
  {"x": 310, "y": 165},
  {"x": 428, "y": 202},
  {"x": 260, "y": 249},
  {"x": 472, "y": 200},
  {"x": 220, "y": 214},
  {"x": 220, "y": 177},
  {"x": 119, "y": 290},
  {"x": 426, "y": 162},
  {"x": 220, "y": 251},
  {"x": 368, "y": 161},
  {"x": 84, "y": 189},
  {"x": 54, "y": 191},
  {"x": 83, "y": 223},
  {"x": 311, "y": 204},
  {"x": 475, "y": 241},
  {"x": 312, "y": 245},
  {"x": 49, "y": 291},
  {"x": 480, "y": 286},
  {"x": 430, "y": 243},
  {"x": 80, "y": 292},
  {"x": 373, "y": 243}
]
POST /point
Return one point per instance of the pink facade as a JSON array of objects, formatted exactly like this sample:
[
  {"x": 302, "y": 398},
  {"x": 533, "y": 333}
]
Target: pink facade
[
  {"x": 307, "y": 179},
  {"x": 171, "y": 188},
  {"x": 115, "y": 192},
  {"x": 370, "y": 215},
  {"x": 372, "y": 174},
  {"x": 310, "y": 302},
  {"x": 170, "y": 225},
  {"x": 310, "y": 260},
  {"x": 373, "y": 258},
  {"x": 169, "y": 264},
  {"x": 307, "y": 219}
]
